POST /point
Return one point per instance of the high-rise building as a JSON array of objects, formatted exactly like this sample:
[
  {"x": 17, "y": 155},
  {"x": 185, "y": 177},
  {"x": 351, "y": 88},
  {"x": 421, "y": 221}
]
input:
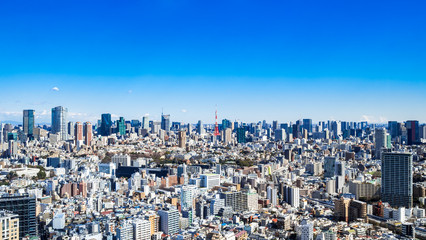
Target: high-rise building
[
  {"x": 106, "y": 123},
  {"x": 307, "y": 124},
  {"x": 145, "y": 122},
  {"x": 275, "y": 125},
  {"x": 141, "y": 229},
  {"x": 121, "y": 126},
  {"x": 329, "y": 166},
  {"x": 280, "y": 135},
  {"x": 397, "y": 179},
  {"x": 165, "y": 122},
  {"x": 380, "y": 141},
  {"x": 393, "y": 128},
  {"x": 70, "y": 129},
  {"x": 227, "y": 135},
  {"x": 291, "y": 196},
  {"x": 200, "y": 128},
  {"x": 182, "y": 139},
  {"x": 78, "y": 133},
  {"x": 306, "y": 231},
  {"x": 28, "y": 123},
  {"x": 187, "y": 196},
  {"x": 59, "y": 122},
  {"x": 25, "y": 207},
  {"x": 169, "y": 221},
  {"x": 154, "y": 221},
  {"x": 88, "y": 135},
  {"x": 241, "y": 135},
  {"x": 413, "y": 136},
  {"x": 9, "y": 225}
]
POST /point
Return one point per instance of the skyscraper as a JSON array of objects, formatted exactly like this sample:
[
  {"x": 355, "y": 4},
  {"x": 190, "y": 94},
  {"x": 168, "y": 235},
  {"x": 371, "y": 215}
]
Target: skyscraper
[
  {"x": 413, "y": 135},
  {"x": 380, "y": 141},
  {"x": 121, "y": 126},
  {"x": 106, "y": 123},
  {"x": 200, "y": 128},
  {"x": 25, "y": 207},
  {"x": 165, "y": 122},
  {"x": 241, "y": 135},
  {"x": 145, "y": 122},
  {"x": 393, "y": 128},
  {"x": 28, "y": 123},
  {"x": 307, "y": 124},
  {"x": 59, "y": 122},
  {"x": 169, "y": 221},
  {"x": 88, "y": 135},
  {"x": 182, "y": 139},
  {"x": 78, "y": 133},
  {"x": 397, "y": 179}
]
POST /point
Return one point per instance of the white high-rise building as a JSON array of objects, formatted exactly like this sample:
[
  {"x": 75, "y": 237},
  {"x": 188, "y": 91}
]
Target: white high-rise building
[
  {"x": 125, "y": 231},
  {"x": 306, "y": 231},
  {"x": 169, "y": 221},
  {"x": 187, "y": 196},
  {"x": 141, "y": 229}
]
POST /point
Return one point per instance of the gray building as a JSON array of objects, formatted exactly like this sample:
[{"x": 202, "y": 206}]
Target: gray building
[
  {"x": 59, "y": 122},
  {"x": 397, "y": 179}
]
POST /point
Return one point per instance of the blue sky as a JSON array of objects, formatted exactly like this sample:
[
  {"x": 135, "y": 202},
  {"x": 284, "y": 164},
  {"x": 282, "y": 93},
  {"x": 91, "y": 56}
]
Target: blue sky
[{"x": 274, "y": 60}]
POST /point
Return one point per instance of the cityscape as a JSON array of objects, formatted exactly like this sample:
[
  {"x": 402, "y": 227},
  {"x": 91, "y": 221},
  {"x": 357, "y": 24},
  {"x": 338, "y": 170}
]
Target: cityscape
[
  {"x": 212, "y": 120},
  {"x": 162, "y": 179}
]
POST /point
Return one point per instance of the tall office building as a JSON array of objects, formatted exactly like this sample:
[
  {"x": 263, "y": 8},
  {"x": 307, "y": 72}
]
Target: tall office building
[
  {"x": 28, "y": 123},
  {"x": 241, "y": 135},
  {"x": 88, "y": 134},
  {"x": 70, "y": 129},
  {"x": 275, "y": 125},
  {"x": 141, "y": 229},
  {"x": 200, "y": 128},
  {"x": 165, "y": 122},
  {"x": 280, "y": 135},
  {"x": 78, "y": 133},
  {"x": 329, "y": 166},
  {"x": 413, "y": 136},
  {"x": 380, "y": 141},
  {"x": 187, "y": 196},
  {"x": 291, "y": 195},
  {"x": 25, "y": 207},
  {"x": 307, "y": 124},
  {"x": 182, "y": 139},
  {"x": 169, "y": 221},
  {"x": 59, "y": 122},
  {"x": 393, "y": 128},
  {"x": 397, "y": 179},
  {"x": 106, "y": 123},
  {"x": 121, "y": 126},
  {"x": 227, "y": 135},
  {"x": 145, "y": 122}
]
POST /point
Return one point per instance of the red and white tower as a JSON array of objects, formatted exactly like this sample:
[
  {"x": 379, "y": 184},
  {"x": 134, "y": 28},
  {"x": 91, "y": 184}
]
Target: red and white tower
[{"x": 216, "y": 128}]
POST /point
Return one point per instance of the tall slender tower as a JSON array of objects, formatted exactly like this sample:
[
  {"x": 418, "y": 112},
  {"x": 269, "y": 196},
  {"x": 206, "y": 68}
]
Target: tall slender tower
[{"x": 216, "y": 128}]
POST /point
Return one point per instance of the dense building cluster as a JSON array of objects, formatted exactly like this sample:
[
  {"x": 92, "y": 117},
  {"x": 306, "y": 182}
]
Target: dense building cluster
[{"x": 146, "y": 179}]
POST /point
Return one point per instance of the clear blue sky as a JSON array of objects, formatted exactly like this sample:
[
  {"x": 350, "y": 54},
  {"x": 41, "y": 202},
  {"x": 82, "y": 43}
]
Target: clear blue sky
[{"x": 274, "y": 60}]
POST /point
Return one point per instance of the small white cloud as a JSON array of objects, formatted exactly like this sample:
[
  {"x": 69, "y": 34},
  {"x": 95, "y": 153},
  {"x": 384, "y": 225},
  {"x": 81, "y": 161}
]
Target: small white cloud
[
  {"x": 56, "y": 89},
  {"x": 184, "y": 110},
  {"x": 146, "y": 115}
]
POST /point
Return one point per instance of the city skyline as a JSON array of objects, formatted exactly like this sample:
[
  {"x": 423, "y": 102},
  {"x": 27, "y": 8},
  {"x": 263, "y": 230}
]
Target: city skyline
[{"x": 284, "y": 61}]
